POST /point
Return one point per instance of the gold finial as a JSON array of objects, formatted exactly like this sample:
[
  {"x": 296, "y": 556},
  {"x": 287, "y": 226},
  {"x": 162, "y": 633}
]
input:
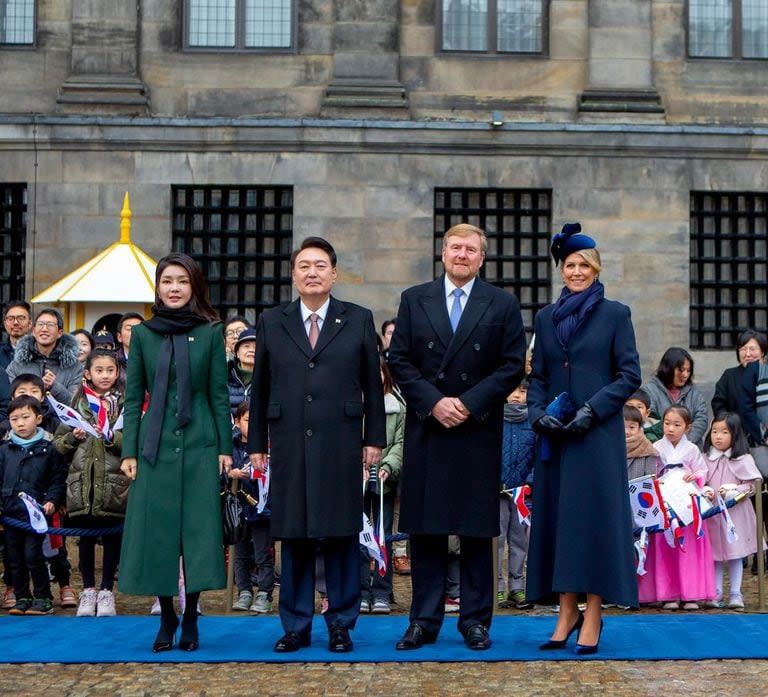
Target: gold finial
[{"x": 125, "y": 221}]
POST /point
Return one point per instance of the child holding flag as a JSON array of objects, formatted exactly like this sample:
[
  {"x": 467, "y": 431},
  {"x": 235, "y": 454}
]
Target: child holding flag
[
  {"x": 255, "y": 486},
  {"x": 33, "y": 480},
  {"x": 679, "y": 567},
  {"x": 731, "y": 471},
  {"x": 96, "y": 488},
  {"x": 55, "y": 549},
  {"x": 517, "y": 460},
  {"x": 376, "y": 587}
]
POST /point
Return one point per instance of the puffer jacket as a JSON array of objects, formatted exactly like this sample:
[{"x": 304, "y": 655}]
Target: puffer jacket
[
  {"x": 690, "y": 397},
  {"x": 392, "y": 454},
  {"x": 238, "y": 391},
  {"x": 39, "y": 471},
  {"x": 62, "y": 361},
  {"x": 517, "y": 448},
  {"x": 95, "y": 484}
]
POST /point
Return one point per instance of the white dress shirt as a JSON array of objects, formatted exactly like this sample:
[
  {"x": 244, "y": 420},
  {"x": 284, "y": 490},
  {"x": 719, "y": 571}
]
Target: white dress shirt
[
  {"x": 321, "y": 312},
  {"x": 449, "y": 288}
]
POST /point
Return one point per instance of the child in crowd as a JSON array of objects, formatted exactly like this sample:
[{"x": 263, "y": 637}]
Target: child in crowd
[
  {"x": 30, "y": 464},
  {"x": 259, "y": 538},
  {"x": 674, "y": 574},
  {"x": 28, "y": 383},
  {"x": 517, "y": 458},
  {"x": 56, "y": 557},
  {"x": 376, "y": 590},
  {"x": 97, "y": 490},
  {"x": 730, "y": 470},
  {"x": 653, "y": 428},
  {"x": 641, "y": 455}
]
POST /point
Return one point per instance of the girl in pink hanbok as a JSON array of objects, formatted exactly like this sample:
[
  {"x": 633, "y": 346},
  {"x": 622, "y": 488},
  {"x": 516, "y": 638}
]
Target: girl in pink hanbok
[
  {"x": 730, "y": 471},
  {"x": 677, "y": 574}
]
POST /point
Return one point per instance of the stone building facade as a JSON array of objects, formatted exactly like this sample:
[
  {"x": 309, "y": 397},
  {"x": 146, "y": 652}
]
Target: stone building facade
[{"x": 376, "y": 126}]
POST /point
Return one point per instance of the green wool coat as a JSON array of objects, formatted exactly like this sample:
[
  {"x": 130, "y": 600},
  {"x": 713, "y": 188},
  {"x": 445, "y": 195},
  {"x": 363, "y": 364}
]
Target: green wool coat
[{"x": 173, "y": 505}]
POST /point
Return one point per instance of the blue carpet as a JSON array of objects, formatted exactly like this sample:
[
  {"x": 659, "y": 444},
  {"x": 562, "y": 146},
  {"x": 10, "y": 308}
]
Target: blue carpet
[{"x": 250, "y": 639}]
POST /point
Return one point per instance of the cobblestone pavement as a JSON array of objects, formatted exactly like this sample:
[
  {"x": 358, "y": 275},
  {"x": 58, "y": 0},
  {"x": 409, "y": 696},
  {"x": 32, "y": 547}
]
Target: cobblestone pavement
[{"x": 743, "y": 678}]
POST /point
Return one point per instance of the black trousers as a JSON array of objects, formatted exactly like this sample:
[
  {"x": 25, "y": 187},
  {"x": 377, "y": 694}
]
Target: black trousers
[
  {"x": 297, "y": 582},
  {"x": 25, "y": 558},
  {"x": 429, "y": 567}
]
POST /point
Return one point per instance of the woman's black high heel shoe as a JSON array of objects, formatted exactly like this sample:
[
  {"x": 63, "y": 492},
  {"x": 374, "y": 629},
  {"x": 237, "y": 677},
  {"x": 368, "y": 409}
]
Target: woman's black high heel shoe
[
  {"x": 560, "y": 643},
  {"x": 582, "y": 650},
  {"x": 166, "y": 635},
  {"x": 189, "y": 639}
]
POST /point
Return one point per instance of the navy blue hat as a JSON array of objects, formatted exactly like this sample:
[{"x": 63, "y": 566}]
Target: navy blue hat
[
  {"x": 570, "y": 240},
  {"x": 248, "y": 334}
]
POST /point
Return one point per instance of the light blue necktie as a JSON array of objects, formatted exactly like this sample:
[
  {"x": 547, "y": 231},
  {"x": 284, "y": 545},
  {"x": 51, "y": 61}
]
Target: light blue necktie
[{"x": 456, "y": 308}]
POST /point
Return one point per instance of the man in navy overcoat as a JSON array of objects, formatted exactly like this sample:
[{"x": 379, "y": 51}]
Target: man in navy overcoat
[{"x": 457, "y": 352}]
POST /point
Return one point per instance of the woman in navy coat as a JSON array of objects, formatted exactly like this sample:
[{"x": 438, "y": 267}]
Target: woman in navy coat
[{"x": 581, "y": 533}]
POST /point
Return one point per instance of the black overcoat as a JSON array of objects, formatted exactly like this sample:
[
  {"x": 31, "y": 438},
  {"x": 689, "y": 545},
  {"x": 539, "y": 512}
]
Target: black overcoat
[
  {"x": 317, "y": 408},
  {"x": 581, "y": 529},
  {"x": 451, "y": 477}
]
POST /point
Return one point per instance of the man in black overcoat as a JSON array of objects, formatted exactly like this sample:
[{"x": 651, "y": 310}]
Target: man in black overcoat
[
  {"x": 457, "y": 352},
  {"x": 317, "y": 403}
]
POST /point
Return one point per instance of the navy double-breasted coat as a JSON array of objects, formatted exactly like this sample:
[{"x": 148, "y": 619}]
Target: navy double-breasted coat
[
  {"x": 581, "y": 528},
  {"x": 316, "y": 408},
  {"x": 451, "y": 476}
]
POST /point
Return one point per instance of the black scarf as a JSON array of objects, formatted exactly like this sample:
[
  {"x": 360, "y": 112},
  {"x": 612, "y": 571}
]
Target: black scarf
[
  {"x": 174, "y": 324},
  {"x": 571, "y": 309}
]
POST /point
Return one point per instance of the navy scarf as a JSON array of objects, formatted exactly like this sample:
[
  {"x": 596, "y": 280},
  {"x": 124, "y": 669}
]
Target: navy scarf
[{"x": 571, "y": 309}]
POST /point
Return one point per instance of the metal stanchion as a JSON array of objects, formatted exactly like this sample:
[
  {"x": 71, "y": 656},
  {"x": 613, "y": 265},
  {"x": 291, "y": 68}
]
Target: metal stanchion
[
  {"x": 230, "y": 565},
  {"x": 495, "y": 571},
  {"x": 760, "y": 536}
]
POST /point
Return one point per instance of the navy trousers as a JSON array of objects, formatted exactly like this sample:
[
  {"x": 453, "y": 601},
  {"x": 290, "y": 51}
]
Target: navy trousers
[
  {"x": 297, "y": 582},
  {"x": 429, "y": 568}
]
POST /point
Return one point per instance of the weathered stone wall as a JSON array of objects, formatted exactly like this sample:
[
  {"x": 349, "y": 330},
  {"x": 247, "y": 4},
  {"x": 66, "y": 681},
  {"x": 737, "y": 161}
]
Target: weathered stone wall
[
  {"x": 370, "y": 191},
  {"x": 628, "y": 44}
]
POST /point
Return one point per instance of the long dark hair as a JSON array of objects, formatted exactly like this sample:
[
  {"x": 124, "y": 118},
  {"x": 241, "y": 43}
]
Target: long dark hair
[
  {"x": 674, "y": 357},
  {"x": 739, "y": 443},
  {"x": 200, "y": 302}
]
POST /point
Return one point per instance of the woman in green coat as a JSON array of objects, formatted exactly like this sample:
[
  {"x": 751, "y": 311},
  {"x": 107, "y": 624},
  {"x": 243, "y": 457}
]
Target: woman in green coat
[{"x": 176, "y": 450}]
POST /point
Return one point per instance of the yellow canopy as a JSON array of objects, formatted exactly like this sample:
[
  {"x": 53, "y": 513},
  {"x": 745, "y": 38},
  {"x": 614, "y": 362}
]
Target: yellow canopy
[{"x": 121, "y": 273}]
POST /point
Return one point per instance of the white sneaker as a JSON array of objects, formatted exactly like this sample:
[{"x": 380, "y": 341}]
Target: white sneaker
[
  {"x": 87, "y": 605},
  {"x": 261, "y": 603},
  {"x": 105, "y": 604},
  {"x": 156, "y": 607},
  {"x": 736, "y": 601},
  {"x": 243, "y": 601},
  {"x": 380, "y": 607},
  {"x": 691, "y": 606},
  {"x": 672, "y": 605}
]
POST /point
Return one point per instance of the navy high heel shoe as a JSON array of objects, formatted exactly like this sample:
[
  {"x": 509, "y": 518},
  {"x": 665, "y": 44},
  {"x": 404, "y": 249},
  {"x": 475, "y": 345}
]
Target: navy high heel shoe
[
  {"x": 582, "y": 650},
  {"x": 560, "y": 643}
]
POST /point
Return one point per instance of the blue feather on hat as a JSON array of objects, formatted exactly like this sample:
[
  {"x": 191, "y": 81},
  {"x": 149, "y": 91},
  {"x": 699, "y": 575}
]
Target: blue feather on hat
[{"x": 570, "y": 240}]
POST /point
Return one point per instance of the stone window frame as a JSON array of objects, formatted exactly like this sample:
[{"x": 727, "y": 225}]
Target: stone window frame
[
  {"x": 240, "y": 46},
  {"x": 13, "y": 240},
  {"x": 517, "y": 223},
  {"x": 491, "y": 51},
  {"x": 242, "y": 236},
  {"x": 737, "y": 43},
  {"x": 18, "y": 46},
  {"x": 728, "y": 266}
]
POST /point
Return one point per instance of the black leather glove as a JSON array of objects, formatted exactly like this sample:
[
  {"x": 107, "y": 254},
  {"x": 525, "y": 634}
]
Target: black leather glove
[
  {"x": 548, "y": 425},
  {"x": 582, "y": 422}
]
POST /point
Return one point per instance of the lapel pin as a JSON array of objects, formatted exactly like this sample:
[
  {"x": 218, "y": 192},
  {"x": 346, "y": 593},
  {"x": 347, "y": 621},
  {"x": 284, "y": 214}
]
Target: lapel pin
[
  {"x": 338, "y": 321},
  {"x": 191, "y": 338}
]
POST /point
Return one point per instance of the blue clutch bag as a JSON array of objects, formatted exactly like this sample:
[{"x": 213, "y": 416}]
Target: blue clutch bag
[{"x": 563, "y": 409}]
